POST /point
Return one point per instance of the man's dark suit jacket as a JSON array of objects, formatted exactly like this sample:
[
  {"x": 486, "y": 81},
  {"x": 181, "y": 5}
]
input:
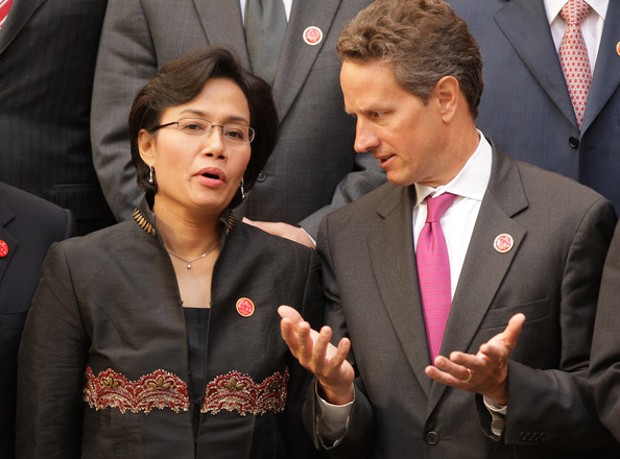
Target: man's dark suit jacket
[
  {"x": 605, "y": 367},
  {"x": 47, "y": 59},
  {"x": 28, "y": 225},
  {"x": 561, "y": 233},
  {"x": 525, "y": 106}
]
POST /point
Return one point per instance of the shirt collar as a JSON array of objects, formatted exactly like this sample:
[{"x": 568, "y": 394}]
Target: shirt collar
[
  {"x": 553, "y": 8},
  {"x": 472, "y": 180}
]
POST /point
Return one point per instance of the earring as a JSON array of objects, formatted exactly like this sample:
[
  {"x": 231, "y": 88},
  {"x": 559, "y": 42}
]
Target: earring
[
  {"x": 242, "y": 191},
  {"x": 151, "y": 181}
]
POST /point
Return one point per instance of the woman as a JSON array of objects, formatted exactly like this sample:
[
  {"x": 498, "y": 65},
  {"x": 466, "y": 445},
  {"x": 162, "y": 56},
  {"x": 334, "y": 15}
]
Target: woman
[{"x": 159, "y": 337}]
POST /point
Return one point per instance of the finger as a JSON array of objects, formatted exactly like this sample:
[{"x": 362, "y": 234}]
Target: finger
[
  {"x": 444, "y": 377},
  {"x": 458, "y": 366},
  {"x": 513, "y": 330},
  {"x": 319, "y": 353},
  {"x": 290, "y": 313},
  {"x": 341, "y": 352}
]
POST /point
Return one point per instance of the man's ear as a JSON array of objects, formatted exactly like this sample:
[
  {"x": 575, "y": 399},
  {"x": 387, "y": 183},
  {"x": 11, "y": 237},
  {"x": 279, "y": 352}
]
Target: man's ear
[{"x": 446, "y": 93}]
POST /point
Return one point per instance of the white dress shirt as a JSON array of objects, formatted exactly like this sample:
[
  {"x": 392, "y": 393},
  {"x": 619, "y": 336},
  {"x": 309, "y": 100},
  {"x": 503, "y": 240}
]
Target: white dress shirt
[
  {"x": 591, "y": 27},
  {"x": 287, "y": 7}
]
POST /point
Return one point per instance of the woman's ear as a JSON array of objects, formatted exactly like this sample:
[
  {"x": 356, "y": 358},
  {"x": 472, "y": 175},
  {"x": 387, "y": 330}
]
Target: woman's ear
[{"x": 146, "y": 146}]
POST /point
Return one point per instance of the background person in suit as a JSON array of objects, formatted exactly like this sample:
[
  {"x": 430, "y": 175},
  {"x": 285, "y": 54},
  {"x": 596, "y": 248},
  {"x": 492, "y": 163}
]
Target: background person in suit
[
  {"x": 47, "y": 56},
  {"x": 440, "y": 375},
  {"x": 313, "y": 168},
  {"x": 526, "y": 106},
  {"x": 28, "y": 225}
]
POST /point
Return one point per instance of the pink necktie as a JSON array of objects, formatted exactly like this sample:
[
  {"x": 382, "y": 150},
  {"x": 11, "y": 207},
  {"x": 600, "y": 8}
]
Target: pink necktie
[
  {"x": 574, "y": 56},
  {"x": 5, "y": 6},
  {"x": 434, "y": 272}
]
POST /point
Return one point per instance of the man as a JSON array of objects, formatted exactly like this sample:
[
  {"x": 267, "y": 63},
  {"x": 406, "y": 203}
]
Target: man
[
  {"x": 313, "y": 168},
  {"x": 47, "y": 56},
  {"x": 521, "y": 44},
  {"x": 438, "y": 376},
  {"x": 28, "y": 225}
]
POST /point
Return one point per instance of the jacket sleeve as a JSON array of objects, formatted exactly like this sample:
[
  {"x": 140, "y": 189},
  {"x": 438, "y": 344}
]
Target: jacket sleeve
[
  {"x": 604, "y": 373},
  {"x": 51, "y": 364},
  {"x": 125, "y": 62},
  {"x": 359, "y": 435},
  {"x": 299, "y": 443},
  {"x": 555, "y": 407}
]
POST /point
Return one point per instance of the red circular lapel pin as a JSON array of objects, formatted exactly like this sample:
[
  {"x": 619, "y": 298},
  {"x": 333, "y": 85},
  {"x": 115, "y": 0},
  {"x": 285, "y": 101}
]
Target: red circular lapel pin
[
  {"x": 245, "y": 307},
  {"x": 313, "y": 35},
  {"x": 4, "y": 249},
  {"x": 503, "y": 243}
]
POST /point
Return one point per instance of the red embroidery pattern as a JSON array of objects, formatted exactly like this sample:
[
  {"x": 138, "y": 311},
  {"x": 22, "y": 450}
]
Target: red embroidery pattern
[
  {"x": 159, "y": 389},
  {"x": 235, "y": 391}
]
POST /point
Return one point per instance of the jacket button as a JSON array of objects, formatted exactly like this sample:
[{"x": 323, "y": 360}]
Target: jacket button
[
  {"x": 432, "y": 438},
  {"x": 261, "y": 176},
  {"x": 573, "y": 142}
]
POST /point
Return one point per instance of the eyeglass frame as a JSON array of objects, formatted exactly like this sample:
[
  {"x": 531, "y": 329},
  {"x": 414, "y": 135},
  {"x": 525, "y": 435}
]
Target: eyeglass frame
[{"x": 251, "y": 131}]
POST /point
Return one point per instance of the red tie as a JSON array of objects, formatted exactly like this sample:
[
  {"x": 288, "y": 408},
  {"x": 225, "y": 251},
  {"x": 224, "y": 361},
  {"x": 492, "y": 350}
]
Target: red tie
[
  {"x": 434, "y": 272},
  {"x": 574, "y": 56},
  {"x": 5, "y": 6}
]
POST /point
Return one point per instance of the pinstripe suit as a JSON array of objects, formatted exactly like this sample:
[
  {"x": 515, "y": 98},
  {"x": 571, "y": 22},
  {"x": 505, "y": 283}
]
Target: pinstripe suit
[{"x": 47, "y": 58}]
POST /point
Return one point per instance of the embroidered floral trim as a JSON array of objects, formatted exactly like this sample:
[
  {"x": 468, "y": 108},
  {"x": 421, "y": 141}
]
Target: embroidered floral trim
[
  {"x": 159, "y": 389},
  {"x": 235, "y": 391}
]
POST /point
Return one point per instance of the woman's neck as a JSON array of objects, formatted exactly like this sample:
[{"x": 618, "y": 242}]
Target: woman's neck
[{"x": 185, "y": 235}]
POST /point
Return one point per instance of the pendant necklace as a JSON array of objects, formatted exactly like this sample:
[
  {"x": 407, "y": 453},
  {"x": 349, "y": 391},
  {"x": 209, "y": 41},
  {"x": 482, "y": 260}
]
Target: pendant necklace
[{"x": 188, "y": 263}]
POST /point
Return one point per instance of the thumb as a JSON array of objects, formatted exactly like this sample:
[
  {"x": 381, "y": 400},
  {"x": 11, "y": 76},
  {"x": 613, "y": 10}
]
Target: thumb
[{"x": 513, "y": 330}]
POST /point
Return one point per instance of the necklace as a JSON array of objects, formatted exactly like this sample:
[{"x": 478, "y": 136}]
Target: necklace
[{"x": 188, "y": 263}]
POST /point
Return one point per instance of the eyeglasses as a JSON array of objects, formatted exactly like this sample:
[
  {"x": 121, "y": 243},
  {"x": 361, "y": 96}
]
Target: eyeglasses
[{"x": 198, "y": 127}]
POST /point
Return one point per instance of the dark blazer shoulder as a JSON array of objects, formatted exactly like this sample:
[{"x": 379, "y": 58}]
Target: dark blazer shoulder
[{"x": 39, "y": 216}]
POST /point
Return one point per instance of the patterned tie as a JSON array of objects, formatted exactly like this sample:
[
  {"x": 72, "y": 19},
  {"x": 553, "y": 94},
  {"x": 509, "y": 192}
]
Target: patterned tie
[
  {"x": 5, "y": 6},
  {"x": 265, "y": 26},
  {"x": 434, "y": 272},
  {"x": 574, "y": 56}
]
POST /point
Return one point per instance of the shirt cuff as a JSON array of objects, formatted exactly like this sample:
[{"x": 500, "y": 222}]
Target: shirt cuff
[
  {"x": 333, "y": 421},
  {"x": 498, "y": 415}
]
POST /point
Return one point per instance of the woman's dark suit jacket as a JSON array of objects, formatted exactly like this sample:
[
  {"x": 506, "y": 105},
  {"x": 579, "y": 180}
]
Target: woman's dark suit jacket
[{"x": 104, "y": 357}]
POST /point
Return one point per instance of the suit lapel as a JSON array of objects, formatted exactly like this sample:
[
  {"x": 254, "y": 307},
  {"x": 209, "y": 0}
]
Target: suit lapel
[
  {"x": 391, "y": 255},
  {"x": 524, "y": 22},
  {"x": 224, "y": 29},
  {"x": 484, "y": 267},
  {"x": 20, "y": 14},
  {"x": 6, "y": 216},
  {"x": 296, "y": 57},
  {"x": 606, "y": 78}
]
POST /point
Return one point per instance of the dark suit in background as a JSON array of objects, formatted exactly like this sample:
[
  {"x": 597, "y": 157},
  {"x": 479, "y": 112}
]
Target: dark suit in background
[
  {"x": 525, "y": 105},
  {"x": 28, "y": 225},
  {"x": 313, "y": 168},
  {"x": 47, "y": 59}
]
